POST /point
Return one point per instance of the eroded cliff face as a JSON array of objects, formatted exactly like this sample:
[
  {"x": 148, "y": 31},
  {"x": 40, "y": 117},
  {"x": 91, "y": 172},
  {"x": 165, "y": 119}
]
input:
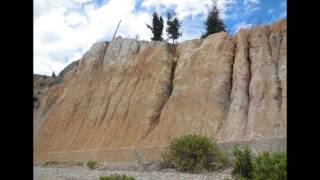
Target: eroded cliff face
[{"x": 127, "y": 94}]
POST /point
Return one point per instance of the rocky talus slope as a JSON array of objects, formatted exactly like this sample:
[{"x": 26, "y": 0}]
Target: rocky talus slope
[{"x": 128, "y": 97}]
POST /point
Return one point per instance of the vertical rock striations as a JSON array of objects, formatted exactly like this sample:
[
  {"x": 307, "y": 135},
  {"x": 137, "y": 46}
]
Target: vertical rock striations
[{"x": 126, "y": 94}]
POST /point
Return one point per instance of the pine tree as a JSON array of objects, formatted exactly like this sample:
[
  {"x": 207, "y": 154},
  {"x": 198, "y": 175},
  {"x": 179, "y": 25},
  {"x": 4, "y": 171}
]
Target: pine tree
[
  {"x": 173, "y": 26},
  {"x": 213, "y": 22},
  {"x": 53, "y": 75},
  {"x": 157, "y": 27}
]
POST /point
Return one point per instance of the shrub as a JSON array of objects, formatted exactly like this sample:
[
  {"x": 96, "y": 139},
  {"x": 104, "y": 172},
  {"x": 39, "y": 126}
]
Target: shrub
[
  {"x": 242, "y": 164},
  {"x": 92, "y": 164},
  {"x": 50, "y": 163},
  {"x": 194, "y": 153},
  {"x": 271, "y": 166},
  {"x": 166, "y": 160},
  {"x": 116, "y": 177}
]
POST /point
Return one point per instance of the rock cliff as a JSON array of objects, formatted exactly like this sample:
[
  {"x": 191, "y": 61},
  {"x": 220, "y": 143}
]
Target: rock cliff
[{"x": 128, "y": 95}]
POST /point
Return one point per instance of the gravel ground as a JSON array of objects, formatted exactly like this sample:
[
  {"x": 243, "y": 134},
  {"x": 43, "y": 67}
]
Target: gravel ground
[{"x": 83, "y": 173}]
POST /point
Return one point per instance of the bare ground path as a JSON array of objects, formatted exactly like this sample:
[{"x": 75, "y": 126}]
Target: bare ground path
[{"x": 83, "y": 173}]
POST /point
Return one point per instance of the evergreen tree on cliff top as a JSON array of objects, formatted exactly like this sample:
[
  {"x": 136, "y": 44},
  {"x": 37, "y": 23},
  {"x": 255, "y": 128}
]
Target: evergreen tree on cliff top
[
  {"x": 53, "y": 75},
  {"x": 173, "y": 27},
  {"x": 157, "y": 27},
  {"x": 213, "y": 22}
]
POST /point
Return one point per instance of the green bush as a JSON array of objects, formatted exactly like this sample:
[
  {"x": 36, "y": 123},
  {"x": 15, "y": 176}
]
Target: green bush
[
  {"x": 92, "y": 164},
  {"x": 167, "y": 161},
  {"x": 194, "y": 153},
  {"x": 271, "y": 166},
  {"x": 116, "y": 177},
  {"x": 242, "y": 164}
]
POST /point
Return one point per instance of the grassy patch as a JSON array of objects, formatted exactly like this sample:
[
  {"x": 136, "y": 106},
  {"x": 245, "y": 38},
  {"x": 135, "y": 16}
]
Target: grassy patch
[{"x": 92, "y": 164}]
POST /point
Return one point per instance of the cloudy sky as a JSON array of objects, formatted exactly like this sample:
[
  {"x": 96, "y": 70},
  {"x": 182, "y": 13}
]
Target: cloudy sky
[{"x": 65, "y": 29}]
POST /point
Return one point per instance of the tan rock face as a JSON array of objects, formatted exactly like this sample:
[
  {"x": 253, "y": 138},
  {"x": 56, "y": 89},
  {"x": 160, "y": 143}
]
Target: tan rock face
[{"x": 127, "y": 94}]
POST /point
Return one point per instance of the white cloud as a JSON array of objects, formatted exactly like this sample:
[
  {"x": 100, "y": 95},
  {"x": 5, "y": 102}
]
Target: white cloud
[
  {"x": 46, "y": 66},
  {"x": 251, "y": 5},
  {"x": 190, "y": 8},
  {"x": 187, "y": 8},
  {"x": 283, "y": 7},
  {"x": 282, "y": 15},
  {"x": 283, "y": 4},
  {"x": 62, "y": 33},
  {"x": 242, "y": 25},
  {"x": 74, "y": 19},
  {"x": 246, "y": 2},
  {"x": 42, "y": 7},
  {"x": 82, "y": 1},
  {"x": 65, "y": 29},
  {"x": 270, "y": 11}
]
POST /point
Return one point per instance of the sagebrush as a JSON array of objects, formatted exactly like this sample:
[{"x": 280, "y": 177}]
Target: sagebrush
[
  {"x": 267, "y": 165},
  {"x": 242, "y": 163},
  {"x": 271, "y": 166},
  {"x": 117, "y": 177},
  {"x": 194, "y": 153},
  {"x": 92, "y": 164}
]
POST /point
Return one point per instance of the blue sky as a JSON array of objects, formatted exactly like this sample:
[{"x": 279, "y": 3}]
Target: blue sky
[{"x": 65, "y": 29}]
